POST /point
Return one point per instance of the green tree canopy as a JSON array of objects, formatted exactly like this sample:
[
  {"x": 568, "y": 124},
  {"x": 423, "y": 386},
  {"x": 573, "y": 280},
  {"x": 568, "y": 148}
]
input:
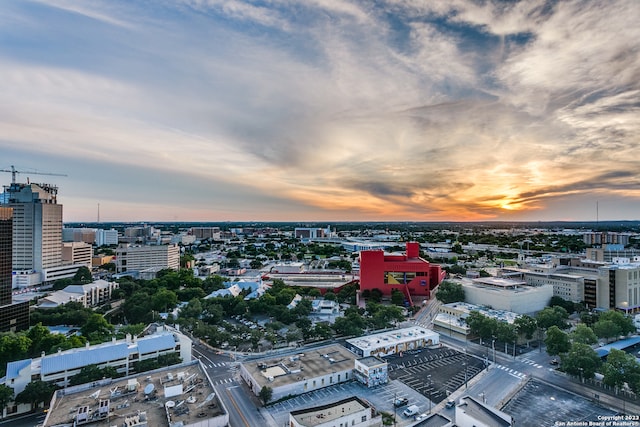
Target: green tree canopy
[
  {"x": 6, "y": 396},
  {"x": 583, "y": 334},
  {"x": 619, "y": 368},
  {"x": 82, "y": 276},
  {"x": 557, "y": 341},
  {"x": 35, "y": 393},
  {"x": 91, "y": 373},
  {"x": 552, "y": 316},
  {"x": 607, "y": 329},
  {"x": 449, "y": 292},
  {"x": 581, "y": 360},
  {"x": 97, "y": 329},
  {"x": 526, "y": 325},
  {"x": 481, "y": 325},
  {"x": 266, "y": 393}
]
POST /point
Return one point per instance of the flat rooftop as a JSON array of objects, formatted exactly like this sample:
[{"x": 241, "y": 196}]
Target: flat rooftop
[
  {"x": 466, "y": 308},
  {"x": 389, "y": 338},
  {"x": 283, "y": 370},
  {"x": 327, "y": 413},
  {"x": 482, "y": 413},
  {"x": 371, "y": 361},
  {"x": 182, "y": 393}
]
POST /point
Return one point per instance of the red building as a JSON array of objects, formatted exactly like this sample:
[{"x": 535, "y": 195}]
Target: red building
[{"x": 409, "y": 273}]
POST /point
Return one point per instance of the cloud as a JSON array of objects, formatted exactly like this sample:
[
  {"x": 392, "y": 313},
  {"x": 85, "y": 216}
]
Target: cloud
[{"x": 329, "y": 109}]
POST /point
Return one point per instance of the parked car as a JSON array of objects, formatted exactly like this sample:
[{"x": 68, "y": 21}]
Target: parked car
[
  {"x": 411, "y": 411},
  {"x": 401, "y": 401},
  {"x": 554, "y": 362},
  {"x": 450, "y": 404}
]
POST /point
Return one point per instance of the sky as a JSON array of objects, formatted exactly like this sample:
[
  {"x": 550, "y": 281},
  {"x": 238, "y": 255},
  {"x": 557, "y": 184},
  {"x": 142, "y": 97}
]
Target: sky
[{"x": 325, "y": 110}]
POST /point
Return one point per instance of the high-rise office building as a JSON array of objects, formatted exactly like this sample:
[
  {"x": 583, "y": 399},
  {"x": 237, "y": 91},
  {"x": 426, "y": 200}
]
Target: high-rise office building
[
  {"x": 13, "y": 317},
  {"x": 37, "y": 227}
]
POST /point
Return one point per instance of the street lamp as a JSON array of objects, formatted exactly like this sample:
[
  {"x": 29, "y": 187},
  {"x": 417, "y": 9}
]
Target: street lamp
[
  {"x": 466, "y": 364},
  {"x": 430, "y": 392},
  {"x": 493, "y": 346}
]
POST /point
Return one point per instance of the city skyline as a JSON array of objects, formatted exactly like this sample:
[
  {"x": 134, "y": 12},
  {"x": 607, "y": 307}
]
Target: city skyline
[{"x": 325, "y": 110}]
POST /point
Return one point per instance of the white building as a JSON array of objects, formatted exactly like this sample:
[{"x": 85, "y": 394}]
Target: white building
[
  {"x": 509, "y": 295},
  {"x": 352, "y": 412},
  {"x": 371, "y": 371},
  {"x": 138, "y": 258},
  {"x": 393, "y": 342},
  {"x": 89, "y": 295},
  {"x": 106, "y": 237}
]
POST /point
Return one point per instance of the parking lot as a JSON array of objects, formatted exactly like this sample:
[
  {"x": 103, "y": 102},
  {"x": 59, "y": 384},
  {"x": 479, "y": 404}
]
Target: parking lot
[
  {"x": 540, "y": 405},
  {"x": 434, "y": 373}
]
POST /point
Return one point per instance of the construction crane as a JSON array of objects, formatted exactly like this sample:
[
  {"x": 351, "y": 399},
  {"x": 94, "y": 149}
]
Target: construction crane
[{"x": 14, "y": 172}]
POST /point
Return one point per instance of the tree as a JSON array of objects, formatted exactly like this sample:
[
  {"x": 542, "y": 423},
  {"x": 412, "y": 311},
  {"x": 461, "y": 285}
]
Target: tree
[
  {"x": 82, "y": 276},
  {"x": 164, "y": 300},
  {"x": 255, "y": 264},
  {"x": 91, "y": 373},
  {"x": 552, "y": 316},
  {"x": 397, "y": 297},
  {"x": 266, "y": 393},
  {"x": 557, "y": 342},
  {"x": 481, "y": 325},
  {"x": 506, "y": 333},
  {"x": 526, "y": 325},
  {"x": 6, "y": 396},
  {"x": 623, "y": 322},
  {"x": 97, "y": 329},
  {"x": 606, "y": 329},
  {"x": 35, "y": 393},
  {"x": 449, "y": 292},
  {"x": 581, "y": 360},
  {"x": 619, "y": 368},
  {"x": 583, "y": 334}
]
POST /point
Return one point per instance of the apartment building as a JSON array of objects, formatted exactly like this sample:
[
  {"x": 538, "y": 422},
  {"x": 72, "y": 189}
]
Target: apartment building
[
  {"x": 89, "y": 295},
  {"x": 137, "y": 258}
]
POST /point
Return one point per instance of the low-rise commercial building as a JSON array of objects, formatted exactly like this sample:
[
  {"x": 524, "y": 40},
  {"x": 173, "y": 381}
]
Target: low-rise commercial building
[
  {"x": 301, "y": 373},
  {"x": 393, "y": 342},
  {"x": 352, "y": 411},
  {"x": 371, "y": 371}
]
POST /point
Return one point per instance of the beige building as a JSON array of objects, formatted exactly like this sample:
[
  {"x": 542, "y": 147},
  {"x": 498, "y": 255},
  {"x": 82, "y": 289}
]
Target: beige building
[
  {"x": 37, "y": 229},
  {"x": 352, "y": 412},
  {"x": 301, "y": 373},
  {"x": 619, "y": 287},
  {"x": 74, "y": 253},
  {"x": 138, "y": 258}
]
